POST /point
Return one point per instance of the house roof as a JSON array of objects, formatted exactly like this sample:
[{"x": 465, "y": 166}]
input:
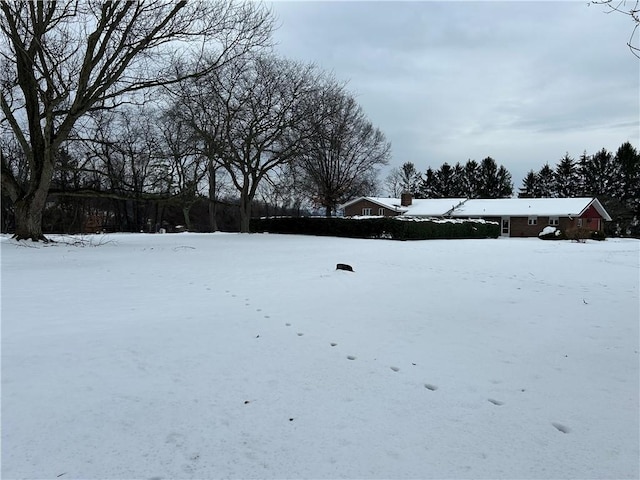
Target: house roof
[
  {"x": 497, "y": 207},
  {"x": 387, "y": 202},
  {"x": 522, "y": 207},
  {"x": 433, "y": 207}
]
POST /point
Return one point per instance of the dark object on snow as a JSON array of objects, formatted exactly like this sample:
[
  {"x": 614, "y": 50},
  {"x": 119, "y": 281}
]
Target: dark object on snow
[{"x": 344, "y": 266}]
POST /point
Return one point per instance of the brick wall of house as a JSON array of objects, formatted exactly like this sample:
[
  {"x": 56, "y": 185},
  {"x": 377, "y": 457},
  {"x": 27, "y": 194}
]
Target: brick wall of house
[
  {"x": 520, "y": 225},
  {"x": 356, "y": 209}
]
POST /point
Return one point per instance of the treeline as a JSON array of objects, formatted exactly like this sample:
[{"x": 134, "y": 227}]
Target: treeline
[
  {"x": 614, "y": 178},
  {"x": 486, "y": 179},
  {"x": 603, "y": 174},
  {"x": 129, "y": 136}
]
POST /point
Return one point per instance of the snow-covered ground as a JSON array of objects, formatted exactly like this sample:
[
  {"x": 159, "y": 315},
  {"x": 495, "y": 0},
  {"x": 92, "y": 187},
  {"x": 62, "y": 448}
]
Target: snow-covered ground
[{"x": 250, "y": 356}]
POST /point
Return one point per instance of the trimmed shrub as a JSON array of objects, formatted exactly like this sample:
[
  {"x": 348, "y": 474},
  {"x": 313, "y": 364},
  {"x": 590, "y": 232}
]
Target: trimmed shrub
[
  {"x": 598, "y": 235},
  {"x": 378, "y": 227},
  {"x": 551, "y": 233}
]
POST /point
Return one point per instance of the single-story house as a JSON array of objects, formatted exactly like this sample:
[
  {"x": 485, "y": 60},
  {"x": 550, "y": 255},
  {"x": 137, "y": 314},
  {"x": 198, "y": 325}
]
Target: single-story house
[{"x": 518, "y": 217}]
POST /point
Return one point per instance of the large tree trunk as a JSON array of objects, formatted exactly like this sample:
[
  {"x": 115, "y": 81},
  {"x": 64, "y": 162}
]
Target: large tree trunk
[
  {"x": 245, "y": 212},
  {"x": 28, "y": 213},
  {"x": 213, "y": 222},
  {"x": 327, "y": 211},
  {"x": 185, "y": 214},
  {"x": 213, "y": 212},
  {"x": 30, "y": 207}
]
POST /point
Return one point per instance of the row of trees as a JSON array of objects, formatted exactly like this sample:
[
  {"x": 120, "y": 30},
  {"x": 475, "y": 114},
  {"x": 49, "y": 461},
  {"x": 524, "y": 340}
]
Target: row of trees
[
  {"x": 486, "y": 179},
  {"x": 131, "y": 108},
  {"x": 612, "y": 177},
  {"x": 601, "y": 174}
]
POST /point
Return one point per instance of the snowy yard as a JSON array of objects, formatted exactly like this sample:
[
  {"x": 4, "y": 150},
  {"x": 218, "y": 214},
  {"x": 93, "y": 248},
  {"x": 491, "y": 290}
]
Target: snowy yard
[{"x": 250, "y": 356}]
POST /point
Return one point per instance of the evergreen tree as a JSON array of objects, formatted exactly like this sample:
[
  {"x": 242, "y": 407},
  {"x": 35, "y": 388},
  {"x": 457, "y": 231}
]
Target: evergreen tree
[
  {"x": 567, "y": 178},
  {"x": 626, "y": 209},
  {"x": 494, "y": 182},
  {"x": 471, "y": 179},
  {"x": 529, "y": 187},
  {"x": 459, "y": 189},
  {"x": 627, "y": 160},
  {"x": 546, "y": 182},
  {"x": 446, "y": 181},
  {"x": 600, "y": 174},
  {"x": 505, "y": 185},
  {"x": 429, "y": 185}
]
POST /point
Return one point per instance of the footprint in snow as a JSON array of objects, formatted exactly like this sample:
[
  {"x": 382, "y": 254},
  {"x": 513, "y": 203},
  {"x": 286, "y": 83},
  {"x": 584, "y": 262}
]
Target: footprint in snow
[
  {"x": 395, "y": 369},
  {"x": 333, "y": 344},
  {"x": 495, "y": 402},
  {"x": 351, "y": 357},
  {"x": 431, "y": 387},
  {"x": 300, "y": 334},
  {"x": 560, "y": 427}
]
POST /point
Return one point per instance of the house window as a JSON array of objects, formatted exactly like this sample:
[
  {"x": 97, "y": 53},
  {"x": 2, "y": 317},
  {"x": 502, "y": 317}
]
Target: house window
[
  {"x": 366, "y": 211},
  {"x": 381, "y": 212},
  {"x": 533, "y": 221},
  {"x": 554, "y": 221},
  {"x": 579, "y": 222}
]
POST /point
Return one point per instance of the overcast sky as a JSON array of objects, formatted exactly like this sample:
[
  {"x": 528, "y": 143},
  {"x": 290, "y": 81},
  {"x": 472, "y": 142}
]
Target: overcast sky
[{"x": 522, "y": 82}]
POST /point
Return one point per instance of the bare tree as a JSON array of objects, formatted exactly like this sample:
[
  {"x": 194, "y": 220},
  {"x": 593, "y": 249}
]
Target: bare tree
[
  {"x": 403, "y": 179},
  {"x": 630, "y": 8},
  {"x": 124, "y": 151},
  {"x": 184, "y": 165},
  {"x": 249, "y": 115},
  {"x": 341, "y": 156},
  {"x": 60, "y": 60}
]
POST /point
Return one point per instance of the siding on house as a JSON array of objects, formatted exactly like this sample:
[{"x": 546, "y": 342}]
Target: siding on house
[{"x": 357, "y": 208}]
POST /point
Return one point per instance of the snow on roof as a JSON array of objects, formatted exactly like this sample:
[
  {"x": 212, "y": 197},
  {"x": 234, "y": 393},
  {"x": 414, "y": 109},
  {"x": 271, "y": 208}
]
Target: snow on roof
[
  {"x": 496, "y": 207},
  {"x": 528, "y": 206},
  {"x": 387, "y": 202},
  {"x": 432, "y": 207}
]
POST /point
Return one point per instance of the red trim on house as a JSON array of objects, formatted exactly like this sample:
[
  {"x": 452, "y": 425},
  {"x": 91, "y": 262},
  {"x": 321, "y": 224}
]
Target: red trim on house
[{"x": 591, "y": 212}]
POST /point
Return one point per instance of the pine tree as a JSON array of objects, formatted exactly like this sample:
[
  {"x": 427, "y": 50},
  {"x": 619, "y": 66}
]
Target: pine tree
[
  {"x": 505, "y": 185},
  {"x": 529, "y": 185},
  {"x": 546, "y": 182},
  {"x": 459, "y": 189},
  {"x": 600, "y": 174},
  {"x": 471, "y": 179},
  {"x": 429, "y": 184},
  {"x": 494, "y": 182},
  {"x": 446, "y": 181},
  {"x": 567, "y": 178},
  {"x": 628, "y": 164}
]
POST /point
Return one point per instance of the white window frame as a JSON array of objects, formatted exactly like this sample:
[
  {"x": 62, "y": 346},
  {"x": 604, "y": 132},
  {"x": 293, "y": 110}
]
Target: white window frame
[
  {"x": 381, "y": 211},
  {"x": 579, "y": 222},
  {"x": 554, "y": 221},
  {"x": 532, "y": 220},
  {"x": 366, "y": 212}
]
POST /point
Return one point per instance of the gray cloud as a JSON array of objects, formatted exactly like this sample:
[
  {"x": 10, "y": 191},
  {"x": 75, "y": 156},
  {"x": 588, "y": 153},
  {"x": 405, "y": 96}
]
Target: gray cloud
[{"x": 524, "y": 82}]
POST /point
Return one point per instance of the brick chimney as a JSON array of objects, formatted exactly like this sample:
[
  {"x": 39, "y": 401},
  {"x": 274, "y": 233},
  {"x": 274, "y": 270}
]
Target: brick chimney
[{"x": 406, "y": 199}]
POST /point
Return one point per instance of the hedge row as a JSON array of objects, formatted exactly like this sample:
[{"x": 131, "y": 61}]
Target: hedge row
[{"x": 377, "y": 227}]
